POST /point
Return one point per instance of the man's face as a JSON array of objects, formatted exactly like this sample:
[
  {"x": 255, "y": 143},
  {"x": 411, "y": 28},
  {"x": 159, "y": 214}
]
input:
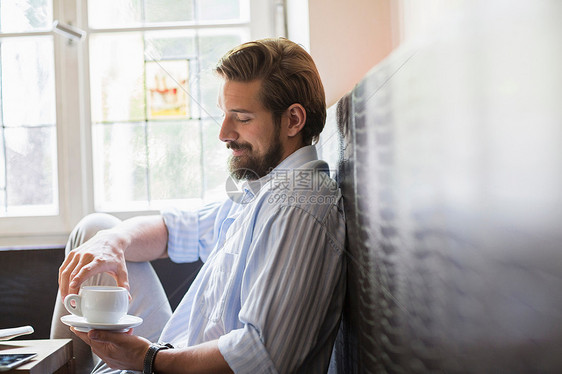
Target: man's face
[{"x": 248, "y": 130}]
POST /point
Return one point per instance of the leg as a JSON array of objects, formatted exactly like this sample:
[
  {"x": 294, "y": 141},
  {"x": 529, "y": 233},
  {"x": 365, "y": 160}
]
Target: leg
[{"x": 149, "y": 300}]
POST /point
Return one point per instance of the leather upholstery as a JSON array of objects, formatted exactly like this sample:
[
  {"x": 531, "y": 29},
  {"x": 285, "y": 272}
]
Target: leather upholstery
[
  {"x": 450, "y": 165},
  {"x": 28, "y": 286}
]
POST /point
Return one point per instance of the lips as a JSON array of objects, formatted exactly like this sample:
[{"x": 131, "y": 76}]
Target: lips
[
  {"x": 238, "y": 152},
  {"x": 237, "y": 148}
]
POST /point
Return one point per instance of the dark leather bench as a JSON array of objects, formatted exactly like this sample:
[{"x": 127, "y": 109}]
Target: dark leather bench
[
  {"x": 450, "y": 165},
  {"x": 28, "y": 286}
]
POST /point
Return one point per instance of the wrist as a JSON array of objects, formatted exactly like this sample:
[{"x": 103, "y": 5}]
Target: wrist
[
  {"x": 150, "y": 356},
  {"x": 120, "y": 238},
  {"x": 115, "y": 240}
]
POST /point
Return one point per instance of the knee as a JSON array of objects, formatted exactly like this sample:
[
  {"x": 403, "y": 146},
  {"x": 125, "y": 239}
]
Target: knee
[
  {"x": 89, "y": 226},
  {"x": 98, "y": 221}
]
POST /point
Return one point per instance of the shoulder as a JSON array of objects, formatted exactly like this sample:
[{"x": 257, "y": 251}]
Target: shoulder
[
  {"x": 307, "y": 191},
  {"x": 307, "y": 186}
]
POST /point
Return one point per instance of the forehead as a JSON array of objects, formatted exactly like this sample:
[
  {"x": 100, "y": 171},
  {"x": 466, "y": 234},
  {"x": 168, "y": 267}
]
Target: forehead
[{"x": 235, "y": 95}]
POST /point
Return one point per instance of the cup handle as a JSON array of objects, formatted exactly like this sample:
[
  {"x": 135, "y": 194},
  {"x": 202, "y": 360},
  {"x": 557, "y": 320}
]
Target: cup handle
[{"x": 76, "y": 310}]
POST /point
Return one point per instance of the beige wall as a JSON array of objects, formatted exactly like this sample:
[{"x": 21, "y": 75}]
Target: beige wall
[{"x": 347, "y": 38}]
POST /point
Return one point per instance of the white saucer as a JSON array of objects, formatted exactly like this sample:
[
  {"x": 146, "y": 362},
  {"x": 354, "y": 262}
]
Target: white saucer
[{"x": 80, "y": 323}]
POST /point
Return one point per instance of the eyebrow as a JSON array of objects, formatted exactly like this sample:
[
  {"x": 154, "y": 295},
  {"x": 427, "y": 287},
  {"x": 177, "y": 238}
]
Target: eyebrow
[
  {"x": 244, "y": 111},
  {"x": 236, "y": 110}
]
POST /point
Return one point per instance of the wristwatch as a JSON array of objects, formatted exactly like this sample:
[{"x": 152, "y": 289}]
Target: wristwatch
[{"x": 148, "y": 367}]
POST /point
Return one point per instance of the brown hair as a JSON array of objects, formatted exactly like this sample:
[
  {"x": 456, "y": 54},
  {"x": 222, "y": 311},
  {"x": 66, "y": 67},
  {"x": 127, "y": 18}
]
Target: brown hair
[{"x": 288, "y": 76}]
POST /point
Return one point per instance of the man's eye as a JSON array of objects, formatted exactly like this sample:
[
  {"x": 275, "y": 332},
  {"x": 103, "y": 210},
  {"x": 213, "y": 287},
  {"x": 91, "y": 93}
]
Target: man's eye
[{"x": 243, "y": 120}]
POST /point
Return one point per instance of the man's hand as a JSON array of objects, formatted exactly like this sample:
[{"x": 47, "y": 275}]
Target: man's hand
[
  {"x": 118, "y": 350},
  {"x": 102, "y": 253},
  {"x": 126, "y": 351},
  {"x": 137, "y": 239}
]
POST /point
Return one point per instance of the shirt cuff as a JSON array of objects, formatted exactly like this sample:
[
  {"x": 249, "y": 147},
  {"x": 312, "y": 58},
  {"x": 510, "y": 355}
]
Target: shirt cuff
[
  {"x": 183, "y": 243},
  {"x": 244, "y": 351}
]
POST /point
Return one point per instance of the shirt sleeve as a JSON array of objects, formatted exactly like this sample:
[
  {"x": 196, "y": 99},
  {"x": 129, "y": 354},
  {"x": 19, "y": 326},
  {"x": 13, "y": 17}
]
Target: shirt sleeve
[
  {"x": 193, "y": 234},
  {"x": 294, "y": 273}
]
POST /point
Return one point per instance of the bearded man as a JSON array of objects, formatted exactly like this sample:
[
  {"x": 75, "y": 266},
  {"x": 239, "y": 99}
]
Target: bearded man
[{"x": 269, "y": 296}]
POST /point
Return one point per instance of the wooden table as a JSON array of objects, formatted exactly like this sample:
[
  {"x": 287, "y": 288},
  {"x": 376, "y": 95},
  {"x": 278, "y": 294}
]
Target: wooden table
[{"x": 53, "y": 355}]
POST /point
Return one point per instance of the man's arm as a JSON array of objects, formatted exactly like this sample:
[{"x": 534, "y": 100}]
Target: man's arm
[
  {"x": 146, "y": 238},
  {"x": 126, "y": 351},
  {"x": 202, "y": 358},
  {"x": 136, "y": 239}
]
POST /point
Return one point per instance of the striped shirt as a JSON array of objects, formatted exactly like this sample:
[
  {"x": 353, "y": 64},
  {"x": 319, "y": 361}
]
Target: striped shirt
[{"x": 273, "y": 281}]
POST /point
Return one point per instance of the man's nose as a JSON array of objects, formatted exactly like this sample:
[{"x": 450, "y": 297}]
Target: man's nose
[{"x": 228, "y": 131}]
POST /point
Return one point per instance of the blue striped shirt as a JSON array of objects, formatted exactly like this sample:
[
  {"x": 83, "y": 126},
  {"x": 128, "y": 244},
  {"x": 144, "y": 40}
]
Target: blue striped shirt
[{"x": 273, "y": 281}]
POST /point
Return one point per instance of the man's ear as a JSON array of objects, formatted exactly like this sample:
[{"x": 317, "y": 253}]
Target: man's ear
[{"x": 297, "y": 118}]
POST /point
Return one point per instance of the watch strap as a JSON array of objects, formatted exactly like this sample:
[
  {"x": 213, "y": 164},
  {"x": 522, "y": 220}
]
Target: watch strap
[{"x": 153, "y": 349}]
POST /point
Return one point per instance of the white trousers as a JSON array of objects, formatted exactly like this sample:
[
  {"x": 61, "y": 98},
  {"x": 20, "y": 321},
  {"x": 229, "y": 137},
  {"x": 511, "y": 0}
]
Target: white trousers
[{"x": 149, "y": 300}]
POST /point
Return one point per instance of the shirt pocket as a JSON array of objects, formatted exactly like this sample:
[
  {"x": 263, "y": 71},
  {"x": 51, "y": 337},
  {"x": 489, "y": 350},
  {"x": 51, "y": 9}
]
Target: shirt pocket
[{"x": 216, "y": 286}]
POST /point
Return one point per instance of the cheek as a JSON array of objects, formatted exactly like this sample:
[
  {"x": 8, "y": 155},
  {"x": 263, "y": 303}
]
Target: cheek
[
  {"x": 256, "y": 141},
  {"x": 261, "y": 136},
  {"x": 263, "y": 145}
]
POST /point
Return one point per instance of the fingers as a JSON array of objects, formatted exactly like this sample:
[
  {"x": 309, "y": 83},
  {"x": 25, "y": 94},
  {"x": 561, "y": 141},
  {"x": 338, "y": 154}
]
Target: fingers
[
  {"x": 101, "y": 254},
  {"x": 102, "y": 336},
  {"x": 74, "y": 271},
  {"x": 117, "y": 349},
  {"x": 122, "y": 278},
  {"x": 65, "y": 271},
  {"x": 81, "y": 265},
  {"x": 82, "y": 271},
  {"x": 97, "y": 335},
  {"x": 87, "y": 338},
  {"x": 82, "y": 335}
]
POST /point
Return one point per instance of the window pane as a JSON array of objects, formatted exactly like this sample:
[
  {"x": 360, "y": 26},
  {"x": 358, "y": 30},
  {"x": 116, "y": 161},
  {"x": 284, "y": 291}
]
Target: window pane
[
  {"x": 170, "y": 45},
  {"x": 215, "y": 158},
  {"x": 171, "y": 68},
  {"x": 117, "y": 77},
  {"x": 167, "y": 89},
  {"x": 2, "y": 174},
  {"x": 31, "y": 170},
  {"x": 213, "y": 44},
  {"x": 28, "y": 81},
  {"x": 135, "y": 13},
  {"x": 164, "y": 11},
  {"x": 25, "y": 15},
  {"x": 175, "y": 160},
  {"x": 219, "y": 10},
  {"x": 114, "y": 13},
  {"x": 120, "y": 170}
]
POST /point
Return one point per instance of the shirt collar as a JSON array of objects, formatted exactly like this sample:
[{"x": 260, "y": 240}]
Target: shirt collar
[{"x": 298, "y": 158}]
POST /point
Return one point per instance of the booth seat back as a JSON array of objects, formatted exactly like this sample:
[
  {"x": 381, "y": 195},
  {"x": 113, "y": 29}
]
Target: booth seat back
[
  {"x": 450, "y": 162},
  {"x": 28, "y": 286}
]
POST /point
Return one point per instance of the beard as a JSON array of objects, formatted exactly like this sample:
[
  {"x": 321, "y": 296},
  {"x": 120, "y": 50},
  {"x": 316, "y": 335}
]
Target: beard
[{"x": 250, "y": 166}]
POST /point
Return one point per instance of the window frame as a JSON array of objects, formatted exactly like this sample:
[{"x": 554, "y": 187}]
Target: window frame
[{"x": 74, "y": 126}]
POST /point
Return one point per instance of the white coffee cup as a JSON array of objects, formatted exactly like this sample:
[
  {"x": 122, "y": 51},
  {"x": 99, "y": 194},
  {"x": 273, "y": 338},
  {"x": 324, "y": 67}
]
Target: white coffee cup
[{"x": 99, "y": 304}]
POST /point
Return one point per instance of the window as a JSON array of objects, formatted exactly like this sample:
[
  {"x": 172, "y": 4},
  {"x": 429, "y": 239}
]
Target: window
[
  {"x": 122, "y": 121},
  {"x": 153, "y": 97},
  {"x": 28, "y": 169}
]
